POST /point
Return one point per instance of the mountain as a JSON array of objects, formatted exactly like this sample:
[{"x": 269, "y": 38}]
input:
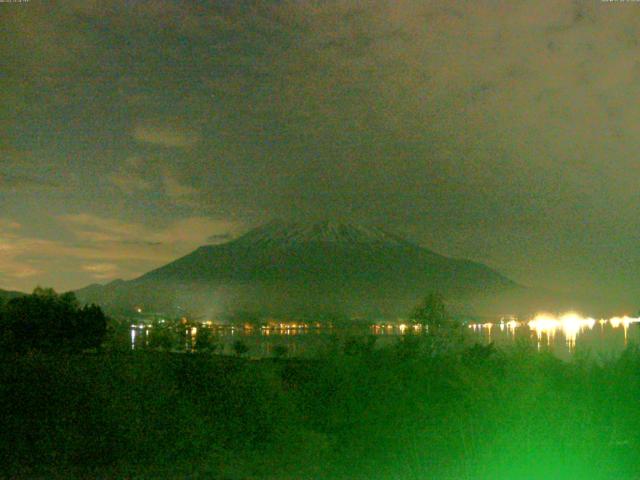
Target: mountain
[{"x": 290, "y": 268}]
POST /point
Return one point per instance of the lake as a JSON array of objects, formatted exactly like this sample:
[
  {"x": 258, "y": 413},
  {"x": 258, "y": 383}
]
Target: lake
[{"x": 563, "y": 334}]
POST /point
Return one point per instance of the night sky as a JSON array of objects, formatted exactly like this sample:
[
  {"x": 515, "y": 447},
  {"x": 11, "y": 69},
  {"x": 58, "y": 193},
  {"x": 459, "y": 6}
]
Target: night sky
[{"x": 507, "y": 132}]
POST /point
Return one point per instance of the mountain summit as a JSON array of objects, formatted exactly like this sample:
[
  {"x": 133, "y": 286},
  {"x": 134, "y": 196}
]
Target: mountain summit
[
  {"x": 291, "y": 234},
  {"x": 300, "y": 268}
]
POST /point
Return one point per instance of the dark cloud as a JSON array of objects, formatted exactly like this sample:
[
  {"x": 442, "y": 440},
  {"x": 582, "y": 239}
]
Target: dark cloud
[
  {"x": 10, "y": 181},
  {"x": 503, "y": 131}
]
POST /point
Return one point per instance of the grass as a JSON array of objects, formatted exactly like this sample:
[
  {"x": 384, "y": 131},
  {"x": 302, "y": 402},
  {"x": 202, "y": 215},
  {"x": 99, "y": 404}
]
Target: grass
[{"x": 408, "y": 411}]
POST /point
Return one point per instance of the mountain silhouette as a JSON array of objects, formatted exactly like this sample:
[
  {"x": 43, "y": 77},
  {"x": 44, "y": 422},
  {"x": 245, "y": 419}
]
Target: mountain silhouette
[{"x": 285, "y": 268}]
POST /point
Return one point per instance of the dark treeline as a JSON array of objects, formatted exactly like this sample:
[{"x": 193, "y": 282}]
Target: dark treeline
[{"x": 49, "y": 322}]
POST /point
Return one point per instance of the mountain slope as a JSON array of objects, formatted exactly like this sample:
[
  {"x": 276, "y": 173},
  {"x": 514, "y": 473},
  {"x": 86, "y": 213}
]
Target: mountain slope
[{"x": 283, "y": 268}]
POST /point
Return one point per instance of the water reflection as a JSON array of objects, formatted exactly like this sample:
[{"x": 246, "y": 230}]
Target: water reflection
[
  {"x": 558, "y": 332},
  {"x": 546, "y": 327}
]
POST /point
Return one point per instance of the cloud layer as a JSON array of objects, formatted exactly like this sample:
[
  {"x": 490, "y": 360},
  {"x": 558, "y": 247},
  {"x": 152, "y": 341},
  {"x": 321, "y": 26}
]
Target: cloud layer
[
  {"x": 504, "y": 131},
  {"x": 99, "y": 249}
]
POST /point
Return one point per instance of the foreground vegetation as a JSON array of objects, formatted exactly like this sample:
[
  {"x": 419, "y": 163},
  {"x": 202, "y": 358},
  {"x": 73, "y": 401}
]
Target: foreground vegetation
[
  {"x": 77, "y": 403},
  {"x": 420, "y": 409}
]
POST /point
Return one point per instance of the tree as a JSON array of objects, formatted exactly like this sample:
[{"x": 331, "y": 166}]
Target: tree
[
  {"x": 204, "y": 341},
  {"x": 240, "y": 348},
  {"x": 431, "y": 312},
  {"x": 47, "y": 321},
  {"x": 162, "y": 338},
  {"x": 91, "y": 325}
]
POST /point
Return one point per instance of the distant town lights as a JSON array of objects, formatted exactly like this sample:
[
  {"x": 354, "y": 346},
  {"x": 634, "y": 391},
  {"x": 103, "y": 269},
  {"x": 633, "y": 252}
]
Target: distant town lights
[{"x": 569, "y": 323}]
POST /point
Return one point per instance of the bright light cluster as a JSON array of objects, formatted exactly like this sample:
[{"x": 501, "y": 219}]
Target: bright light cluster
[{"x": 571, "y": 324}]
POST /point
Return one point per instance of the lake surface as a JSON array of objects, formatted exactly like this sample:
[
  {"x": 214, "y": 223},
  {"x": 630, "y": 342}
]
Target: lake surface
[{"x": 564, "y": 335}]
